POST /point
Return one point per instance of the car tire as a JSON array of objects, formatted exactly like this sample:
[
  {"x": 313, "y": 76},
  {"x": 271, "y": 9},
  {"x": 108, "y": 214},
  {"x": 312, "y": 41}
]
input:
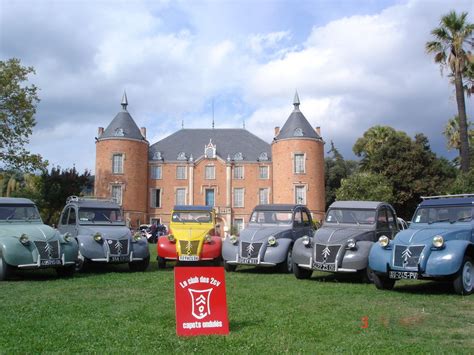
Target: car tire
[
  {"x": 66, "y": 271},
  {"x": 464, "y": 280},
  {"x": 161, "y": 262},
  {"x": 229, "y": 267},
  {"x": 141, "y": 265},
  {"x": 301, "y": 273},
  {"x": 382, "y": 282},
  {"x": 367, "y": 275},
  {"x": 82, "y": 263},
  {"x": 287, "y": 265},
  {"x": 217, "y": 261},
  {"x": 5, "y": 269}
]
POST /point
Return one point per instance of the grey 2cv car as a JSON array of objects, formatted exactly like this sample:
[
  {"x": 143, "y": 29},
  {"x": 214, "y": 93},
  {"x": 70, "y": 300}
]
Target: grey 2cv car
[
  {"x": 268, "y": 239},
  {"x": 103, "y": 237},
  {"x": 343, "y": 242},
  {"x": 27, "y": 243}
]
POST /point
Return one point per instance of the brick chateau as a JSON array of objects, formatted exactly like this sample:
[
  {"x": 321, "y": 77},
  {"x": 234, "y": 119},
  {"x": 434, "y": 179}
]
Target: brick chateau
[{"x": 230, "y": 169}]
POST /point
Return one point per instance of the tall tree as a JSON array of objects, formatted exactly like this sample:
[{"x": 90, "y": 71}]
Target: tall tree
[
  {"x": 17, "y": 109},
  {"x": 366, "y": 186},
  {"x": 452, "y": 38}
]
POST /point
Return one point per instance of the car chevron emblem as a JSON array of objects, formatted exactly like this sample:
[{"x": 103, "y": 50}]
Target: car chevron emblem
[
  {"x": 118, "y": 247},
  {"x": 200, "y": 302},
  {"x": 326, "y": 252},
  {"x": 406, "y": 254},
  {"x": 250, "y": 248},
  {"x": 48, "y": 249}
]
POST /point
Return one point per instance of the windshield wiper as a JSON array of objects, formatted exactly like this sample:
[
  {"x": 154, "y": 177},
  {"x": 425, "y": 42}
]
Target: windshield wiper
[
  {"x": 354, "y": 218},
  {"x": 439, "y": 220},
  {"x": 107, "y": 218}
]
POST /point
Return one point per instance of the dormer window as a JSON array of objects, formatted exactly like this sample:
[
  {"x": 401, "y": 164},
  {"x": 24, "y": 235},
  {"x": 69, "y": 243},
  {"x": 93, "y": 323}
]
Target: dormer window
[
  {"x": 181, "y": 156},
  {"x": 157, "y": 156},
  {"x": 210, "y": 150},
  {"x": 298, "y": 132},
  {"x": 238, "y": 156},
  {"x": 119, "y": 132},
  {"x": 263, "y": 156}
]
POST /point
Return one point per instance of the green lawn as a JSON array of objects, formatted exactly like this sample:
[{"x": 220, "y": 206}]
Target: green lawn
[{"x": 120, "y": 312}]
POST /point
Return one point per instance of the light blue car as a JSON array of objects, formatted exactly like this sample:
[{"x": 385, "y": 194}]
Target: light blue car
[{"x": 439, "y": 244}]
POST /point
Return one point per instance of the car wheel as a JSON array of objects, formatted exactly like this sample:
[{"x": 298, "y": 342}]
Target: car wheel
[
  {"x": 161, "y": 262},
  {"x": 464, "y": 281},
  {"x": 218, "y": 261},
  {"x": 82, "y": 263},
  {"x": 287, "y": 265},
  {"x": 66, "y": 271},
  {"x": 5, "y": 269},
  {"x": 141, "y": 265},
  {"x": 229, "y": 267},
  {"x": 367, "y": 275},
  {"x": 382, "y": 282},
  {"x": 301, "y": 273}
]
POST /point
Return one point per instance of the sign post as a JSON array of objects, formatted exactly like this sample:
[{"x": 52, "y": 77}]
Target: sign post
[{"x": 200, "y": 301}]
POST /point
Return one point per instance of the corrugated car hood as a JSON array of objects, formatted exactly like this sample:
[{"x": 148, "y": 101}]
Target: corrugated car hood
[
  {"x": 109, "y": 232},
  {"x": 425, "y": 235},
  {"x": 33, "y": 231},
  {"x": 255, "y": 234},
  {"x": 330, "y": 235}
]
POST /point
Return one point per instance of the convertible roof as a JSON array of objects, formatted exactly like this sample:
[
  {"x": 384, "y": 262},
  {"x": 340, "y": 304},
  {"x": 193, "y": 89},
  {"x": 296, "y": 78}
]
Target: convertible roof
[
  {"x": 276, "y": 207},
  {"x": 357, "y": 204},
  {"x": 192, "y": 208},
  {"x": 448, "y": 201},
  {"x": 15, "y": 201}
]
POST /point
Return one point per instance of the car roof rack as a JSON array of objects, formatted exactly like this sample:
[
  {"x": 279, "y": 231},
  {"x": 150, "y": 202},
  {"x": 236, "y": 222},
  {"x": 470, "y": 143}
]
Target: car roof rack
[
  {"x": 75, "y": 198},
  {"x": 446, "y": 196}
]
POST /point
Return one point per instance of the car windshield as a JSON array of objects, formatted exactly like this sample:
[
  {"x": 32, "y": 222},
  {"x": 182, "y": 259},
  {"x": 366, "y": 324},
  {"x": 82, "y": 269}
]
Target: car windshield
[
  {"x": 350, "y": 216},
  {"x": 271, "y": 217},
  {"x": 435, "y": 214},
  {"x": 16, "y": 212},
  {"x": 192, "y": 217},
  {"x": 100, "y": 215}
]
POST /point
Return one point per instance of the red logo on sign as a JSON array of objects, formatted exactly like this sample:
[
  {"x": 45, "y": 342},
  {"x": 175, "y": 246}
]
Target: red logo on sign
[{"x": 200, "y": 298}]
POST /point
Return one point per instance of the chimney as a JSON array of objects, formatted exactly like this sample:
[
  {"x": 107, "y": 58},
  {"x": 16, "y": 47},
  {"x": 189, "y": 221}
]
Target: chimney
[
  {"x": 318, "y": 131},
  {"x": 143, "y": 131},
  {"x": 100, "y": 131},
  {"x": 277, "y": 131}
]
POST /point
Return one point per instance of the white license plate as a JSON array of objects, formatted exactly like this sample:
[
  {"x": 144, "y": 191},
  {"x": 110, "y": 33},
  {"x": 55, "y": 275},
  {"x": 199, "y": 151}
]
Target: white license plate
[
  {"x": 119, "y": 259},
  {"x": 247, "y": 261},
  {"x": 403, "y": 275},
  {"x": 50, "y": 262},
  {"x": 188, "y": 258},
  {"x": 324, "y": 267}
]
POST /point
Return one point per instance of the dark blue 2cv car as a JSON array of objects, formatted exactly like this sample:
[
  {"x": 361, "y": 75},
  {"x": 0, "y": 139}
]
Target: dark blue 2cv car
[{"x": 439, "y": 244}]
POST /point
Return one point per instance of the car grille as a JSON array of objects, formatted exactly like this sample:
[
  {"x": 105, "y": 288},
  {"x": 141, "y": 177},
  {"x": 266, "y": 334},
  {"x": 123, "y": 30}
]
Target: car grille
[
  {"x": 407, "y": 256},
  {"x": 189, "y": 247},
  {"x": 326, "y": 253},
  {"x": 117, "y": 246},
  {"x": 250, "y": 250},
  {"x": 48, "y": 250}
]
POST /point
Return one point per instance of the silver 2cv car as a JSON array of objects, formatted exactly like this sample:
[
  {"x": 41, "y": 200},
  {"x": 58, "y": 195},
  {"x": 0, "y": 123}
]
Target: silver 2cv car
[
  {"x": 343, "y": 242},
  {"x": 103, "y": 237},
  {"x": 27, "y": 243},
  {"x": 268, "y": 239}
]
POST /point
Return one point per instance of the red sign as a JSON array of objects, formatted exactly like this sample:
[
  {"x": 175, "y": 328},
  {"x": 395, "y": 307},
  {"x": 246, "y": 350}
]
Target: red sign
[{"x": 200, "y": 301}]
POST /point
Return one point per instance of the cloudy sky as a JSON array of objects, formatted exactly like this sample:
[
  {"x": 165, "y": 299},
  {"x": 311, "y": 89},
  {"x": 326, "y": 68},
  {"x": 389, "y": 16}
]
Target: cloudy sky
[{"x": 355, "y": 64}]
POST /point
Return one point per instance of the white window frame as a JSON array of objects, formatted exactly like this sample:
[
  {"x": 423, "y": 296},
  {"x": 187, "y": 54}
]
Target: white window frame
[
  {"x": 115, "y": 188},
  {"x": 153, "y": 172},
  {"x": 117, "y": 165},
  {"x": 266, "y": 194},
  {"x": 267, "y": 169},
  {"x": 234, "y": 200},
  {"x": 176, "y": 195},
  {"x": 300, "y": 188},
  {"x": 180, "y": 168},
  {"x": 236, "y": 175},
  {"x": 297, "y": 165},
  {"x": 153, "y": 197},
  {"x": 207, "y": 170}
]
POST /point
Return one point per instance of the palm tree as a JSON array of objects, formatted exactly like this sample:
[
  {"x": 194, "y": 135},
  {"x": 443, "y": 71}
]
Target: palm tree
[{"x": 451, "y": 38}]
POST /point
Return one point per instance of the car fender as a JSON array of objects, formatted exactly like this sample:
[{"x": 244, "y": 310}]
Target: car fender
[
  {"x": 140, "y": 248},
  {"x": 14, "y": 253},
  {"x": 448, "y": 260},
  {"x": 277, "y": 254},
  {"x": 89, "y": 248},
  {"x": 357, "y": 259},
  {"x": 229, "y": 250},
  {"x": 379, "y": 258},
  {"x": 213, "y": 249},
  {"x": 302, "y": 253},
  {"x": 165, "y": 248}
]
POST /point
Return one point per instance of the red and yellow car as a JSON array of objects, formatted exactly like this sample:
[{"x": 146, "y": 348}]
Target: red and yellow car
[{"x": 192, "y": 236}]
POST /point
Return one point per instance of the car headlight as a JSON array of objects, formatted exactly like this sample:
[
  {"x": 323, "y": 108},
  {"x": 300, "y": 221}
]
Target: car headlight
[
  {"x": 137, "y": 236},
  {"x": 24, "y": 239},
  {"x": 351, "y": 244},
  {"x": 97, "y": 237},
  {"x": 383, "y": 241},
  {"x": 271, "y": 240},
  {"x": 171, "y": 238},
  {"x": 207, "y": 238},
  {"x": 67, "y": 237},
  {"x": 438, "y": 241},
  {"x": 306, "y": 241},
  {"x": 233, "y": 239}
]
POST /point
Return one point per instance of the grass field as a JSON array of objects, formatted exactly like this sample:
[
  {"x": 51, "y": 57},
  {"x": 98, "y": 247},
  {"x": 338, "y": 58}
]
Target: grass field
[{"x": 120, "y": 312}]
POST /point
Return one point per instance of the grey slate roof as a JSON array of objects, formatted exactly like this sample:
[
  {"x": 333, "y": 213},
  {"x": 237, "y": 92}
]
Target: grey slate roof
[
  {"x": 122, "y": 126},
  {"x": 297, "y": 126},
  {"x": 228, "y": 141}
]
